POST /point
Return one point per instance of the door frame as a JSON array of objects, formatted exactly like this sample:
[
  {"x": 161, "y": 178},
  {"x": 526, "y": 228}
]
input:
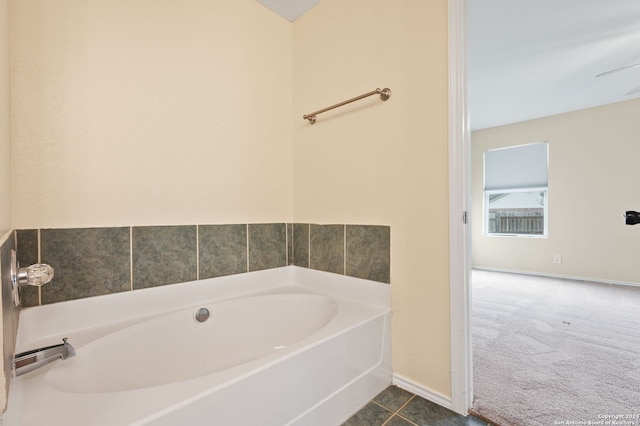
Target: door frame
[{"x": 459, "y": 212}]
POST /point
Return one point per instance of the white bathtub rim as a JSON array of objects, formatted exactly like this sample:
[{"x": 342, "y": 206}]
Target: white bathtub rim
[
  {"x": 44, "y": 325},
  {"x": 357, "y": 289}
]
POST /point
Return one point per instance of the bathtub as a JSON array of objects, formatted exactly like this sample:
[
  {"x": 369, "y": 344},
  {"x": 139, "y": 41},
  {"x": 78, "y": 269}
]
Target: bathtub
[{"x": 287, "y": 346}]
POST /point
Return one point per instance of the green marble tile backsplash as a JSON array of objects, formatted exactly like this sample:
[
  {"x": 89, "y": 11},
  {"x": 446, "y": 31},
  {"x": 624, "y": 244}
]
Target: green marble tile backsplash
[
  {"x": 96, "y": 261},
  {"x": 87, "y": 262}
]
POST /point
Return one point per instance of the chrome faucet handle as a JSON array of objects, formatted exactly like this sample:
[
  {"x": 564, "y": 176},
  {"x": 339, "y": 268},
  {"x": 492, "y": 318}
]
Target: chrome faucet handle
[{"x": 36, "y": 275}]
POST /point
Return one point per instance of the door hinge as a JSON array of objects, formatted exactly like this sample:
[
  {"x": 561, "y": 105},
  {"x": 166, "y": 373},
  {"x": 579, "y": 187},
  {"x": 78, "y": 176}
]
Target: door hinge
[{"x": 464, "y": 217}]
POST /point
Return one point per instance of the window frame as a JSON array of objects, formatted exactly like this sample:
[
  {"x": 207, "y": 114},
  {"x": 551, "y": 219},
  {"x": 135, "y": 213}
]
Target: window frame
[{"x": 485, "y": 212}]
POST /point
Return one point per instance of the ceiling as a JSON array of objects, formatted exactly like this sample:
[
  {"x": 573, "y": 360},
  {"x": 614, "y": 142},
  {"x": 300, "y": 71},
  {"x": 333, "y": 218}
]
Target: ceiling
[
  {"x": 535, "y": 58},
  {"x": 289, "y": 9}
]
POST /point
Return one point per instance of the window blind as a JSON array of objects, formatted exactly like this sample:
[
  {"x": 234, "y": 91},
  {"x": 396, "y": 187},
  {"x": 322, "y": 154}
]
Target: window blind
[{"x": 517, "y": 167}]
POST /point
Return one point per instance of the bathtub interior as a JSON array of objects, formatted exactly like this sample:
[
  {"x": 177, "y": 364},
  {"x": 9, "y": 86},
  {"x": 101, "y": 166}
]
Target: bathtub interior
[
  {"x": 331, "y": 388},
  {"x": 254, "y": 326}
]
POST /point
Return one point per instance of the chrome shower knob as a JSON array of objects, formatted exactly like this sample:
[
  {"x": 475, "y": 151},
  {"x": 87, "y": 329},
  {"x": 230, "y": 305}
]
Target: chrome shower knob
[{"x": 37, "y": 275}]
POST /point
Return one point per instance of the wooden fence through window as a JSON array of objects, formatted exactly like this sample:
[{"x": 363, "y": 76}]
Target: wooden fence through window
[{"x": 509, "y": 223}]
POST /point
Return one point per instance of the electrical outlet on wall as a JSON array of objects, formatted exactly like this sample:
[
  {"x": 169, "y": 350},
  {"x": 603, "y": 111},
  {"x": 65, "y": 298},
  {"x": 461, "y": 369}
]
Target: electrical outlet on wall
[{"x": 557, "y": 258}]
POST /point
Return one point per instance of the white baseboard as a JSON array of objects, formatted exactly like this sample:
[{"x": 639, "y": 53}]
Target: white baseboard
[
  {"x": 413, "y": 387},
  {"x": 559, "y": 276}
]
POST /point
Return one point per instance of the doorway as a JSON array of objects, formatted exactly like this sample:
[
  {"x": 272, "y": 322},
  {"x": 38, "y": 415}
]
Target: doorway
[{"x": 460, "y": 135}]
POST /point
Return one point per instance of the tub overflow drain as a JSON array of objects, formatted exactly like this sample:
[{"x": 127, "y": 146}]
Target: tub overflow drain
[{"x": 202, "y": 315}]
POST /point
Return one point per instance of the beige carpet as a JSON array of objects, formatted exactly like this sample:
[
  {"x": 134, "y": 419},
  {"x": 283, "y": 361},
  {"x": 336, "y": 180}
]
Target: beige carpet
[{"x": 555, "y": 352}]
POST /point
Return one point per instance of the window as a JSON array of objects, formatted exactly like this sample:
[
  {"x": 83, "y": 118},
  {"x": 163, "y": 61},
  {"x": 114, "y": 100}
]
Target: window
[{"x": 515, "y": 190}]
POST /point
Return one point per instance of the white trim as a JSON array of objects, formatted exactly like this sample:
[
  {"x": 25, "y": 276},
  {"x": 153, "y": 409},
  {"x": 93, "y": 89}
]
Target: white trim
[
  {"x": 558, "y": 276},
  {"x": 459, "y": 233},
  {"x": 411, "y": 386}
]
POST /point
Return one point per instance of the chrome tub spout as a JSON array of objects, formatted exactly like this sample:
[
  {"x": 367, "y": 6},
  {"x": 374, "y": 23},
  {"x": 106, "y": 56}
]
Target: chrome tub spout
[{"x": 31, "y": 360}]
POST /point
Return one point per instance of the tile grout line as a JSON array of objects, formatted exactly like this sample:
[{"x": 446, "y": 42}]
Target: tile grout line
[
  {"x": 404, "y": 418},
  {"x": 344, "y": 250},
  {"x": 131, "y": 258},
  {"x": 39, "y": 248},
  {"x": 39, "y": 261},
  {"x": 397, "y": 412},
  {"x": 197, "y": 252},
  {"x": 384, "y": 408},
  {"x": 247, "y": 228},
  {"x": 406, "y": 403},
  {"x": 309, "y": 242}
]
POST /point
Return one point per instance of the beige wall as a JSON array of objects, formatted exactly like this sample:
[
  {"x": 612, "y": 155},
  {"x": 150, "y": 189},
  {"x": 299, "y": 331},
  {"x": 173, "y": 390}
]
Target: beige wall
[
  {"x": 382, "y": 163},
  {"x": 5, "y": 162},
  {"x": 142, "y": 113},
  {"x": 5, "y": 152},
  {"x": 594, "y": 158},
  {"x": 150, "y": 112}
]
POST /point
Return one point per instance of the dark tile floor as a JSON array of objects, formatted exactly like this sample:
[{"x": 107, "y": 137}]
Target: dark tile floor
[{"x": 398, "y": 407}]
